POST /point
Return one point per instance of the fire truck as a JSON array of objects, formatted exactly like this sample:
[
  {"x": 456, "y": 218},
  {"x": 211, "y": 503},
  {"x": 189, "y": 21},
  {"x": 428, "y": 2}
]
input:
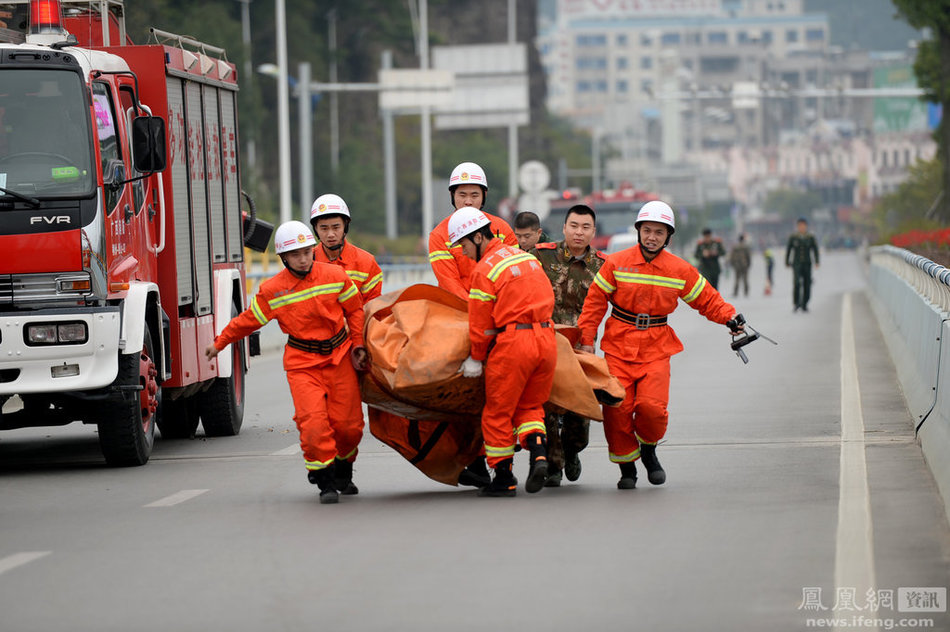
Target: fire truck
[{"x": 121, "y": 229}]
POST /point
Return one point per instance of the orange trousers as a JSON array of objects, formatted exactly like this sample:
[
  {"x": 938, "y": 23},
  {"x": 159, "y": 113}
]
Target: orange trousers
[
  {"x": 518, "y": 377},
  {"x": 642, "y": 417},
  {"x": 328, "y": 412}
]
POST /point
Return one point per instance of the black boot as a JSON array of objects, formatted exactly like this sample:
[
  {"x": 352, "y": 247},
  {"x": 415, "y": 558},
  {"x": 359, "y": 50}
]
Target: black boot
[
  {"x": 572, "y": 466},
  {"x": 538, "y": 471},
  {"x": 324, "y": 480},
  {"x": 476, "y": 474},
  {"x": 504, "y": 483},
  {"x": 554, "y": 478},
  {"x": 655, "y": 472},
  {"x": 628, "y": 476},
  {"x": 343, "y": 477}
]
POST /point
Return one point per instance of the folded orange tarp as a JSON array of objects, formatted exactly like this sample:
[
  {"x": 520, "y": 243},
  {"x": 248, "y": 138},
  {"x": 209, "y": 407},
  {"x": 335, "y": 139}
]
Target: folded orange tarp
[{"x": 417, "y": 339}]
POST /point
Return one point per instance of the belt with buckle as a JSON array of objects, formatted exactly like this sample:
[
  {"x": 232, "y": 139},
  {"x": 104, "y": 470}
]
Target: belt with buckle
[
  {"x": 323, "y": 347},
  {"x": 510, "y": 326},
  {"x": 640, "y": 321}
]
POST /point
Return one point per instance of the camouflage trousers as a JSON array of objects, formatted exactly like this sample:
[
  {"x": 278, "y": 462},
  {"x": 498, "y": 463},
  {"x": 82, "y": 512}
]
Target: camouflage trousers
[{"x": 567, "y": 434}]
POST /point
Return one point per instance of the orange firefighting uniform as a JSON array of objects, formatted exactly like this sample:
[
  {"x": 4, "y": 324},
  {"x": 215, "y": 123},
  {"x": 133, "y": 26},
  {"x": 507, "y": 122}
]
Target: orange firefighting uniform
[
  {"x": 640, "y": 358},
  {"x": 324, "y": 388},
  {"x": 360, "y": 266},
  {"x": 510, "y": 304},
  {"x": 452, "y": 269}
]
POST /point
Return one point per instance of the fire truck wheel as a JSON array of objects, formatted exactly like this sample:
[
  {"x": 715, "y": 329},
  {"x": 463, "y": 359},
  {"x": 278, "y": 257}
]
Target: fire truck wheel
[
  {"x": 127, "y": 426},
  {"x": 178, "y": 418},
  {"x": 222, "y": 406}
]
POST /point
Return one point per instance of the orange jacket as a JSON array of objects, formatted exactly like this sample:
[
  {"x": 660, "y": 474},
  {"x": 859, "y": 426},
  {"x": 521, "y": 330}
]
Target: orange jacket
[
  {"x": 628, "y": 281},
  {"x": 452, "y": 269},
  {"x": 508, "y": 286},
  {"x": 313, "y": 308},
  {"x": 359, "y": 265}
]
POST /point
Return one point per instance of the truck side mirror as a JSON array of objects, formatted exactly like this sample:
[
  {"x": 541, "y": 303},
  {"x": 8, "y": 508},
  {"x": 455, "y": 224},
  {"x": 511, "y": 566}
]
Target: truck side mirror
[{"x": 148, "y": 144}]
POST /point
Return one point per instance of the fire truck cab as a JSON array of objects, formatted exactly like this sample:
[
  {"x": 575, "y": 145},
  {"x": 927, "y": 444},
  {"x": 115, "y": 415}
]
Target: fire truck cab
[{"x": 121, "y": 230}]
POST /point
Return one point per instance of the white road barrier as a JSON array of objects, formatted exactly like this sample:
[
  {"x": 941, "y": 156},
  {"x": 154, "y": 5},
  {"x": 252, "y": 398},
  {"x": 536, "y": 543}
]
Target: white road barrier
[{"x": 911, "y": 297}]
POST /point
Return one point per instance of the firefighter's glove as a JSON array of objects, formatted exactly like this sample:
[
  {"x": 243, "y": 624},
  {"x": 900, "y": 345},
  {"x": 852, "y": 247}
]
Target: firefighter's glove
[
  {"x": 471, "y": 367},
  {"x": 359, "y": 358},
  {"x": 736, "y": 324}
]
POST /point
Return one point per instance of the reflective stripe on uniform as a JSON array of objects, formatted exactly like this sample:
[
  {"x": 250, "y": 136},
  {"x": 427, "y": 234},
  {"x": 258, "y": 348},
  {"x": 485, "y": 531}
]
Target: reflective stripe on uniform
[
  {"x": 502, "y": 452},
  {"x": 369, "y": 285},
  {"x": 649, "y": 279},
  {"x": 481, "y": 296},
  {"x": 440, "y": 255},
  {"x": 303, "y": 295},
  {"x": 345, "y": 296},
  {"x": 317, "y": 465},
  {"x": 529, "y": 427},
  {"x": 357, "y": 275},
  {"x": 258, "y": 314},
  {"x": 347, "y": 457},
  {"x": 625, "y": 458},
  {"x": 503, "y": 265},
  {"x": 697, "y": 289},
  {"x": 602, "y": 284}
]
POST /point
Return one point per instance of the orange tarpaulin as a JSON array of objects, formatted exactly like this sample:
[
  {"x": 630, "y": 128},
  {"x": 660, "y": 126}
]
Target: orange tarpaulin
[{"x": 421, "y": 406}]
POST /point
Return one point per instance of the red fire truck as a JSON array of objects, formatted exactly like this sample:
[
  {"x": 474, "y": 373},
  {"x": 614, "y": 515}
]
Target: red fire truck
[{"x": 121, "y": 231}]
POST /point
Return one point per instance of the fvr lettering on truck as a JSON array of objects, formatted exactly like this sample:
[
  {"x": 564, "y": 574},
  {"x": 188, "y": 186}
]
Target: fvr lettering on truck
[{"x": 119, "y": 259}]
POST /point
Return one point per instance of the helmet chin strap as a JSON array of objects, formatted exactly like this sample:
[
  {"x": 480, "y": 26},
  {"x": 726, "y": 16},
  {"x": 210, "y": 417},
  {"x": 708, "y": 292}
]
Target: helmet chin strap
[
  {"x": 299, "y": 275},
  {"x": 336, "y": 247}
]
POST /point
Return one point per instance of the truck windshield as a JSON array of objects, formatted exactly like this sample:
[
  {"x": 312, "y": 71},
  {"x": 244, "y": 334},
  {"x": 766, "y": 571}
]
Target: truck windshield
[{"x": 45, "y": 140}]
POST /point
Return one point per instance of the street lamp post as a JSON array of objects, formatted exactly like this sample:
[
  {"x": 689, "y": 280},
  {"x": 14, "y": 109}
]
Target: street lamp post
[{"x": 283, "y": 112}]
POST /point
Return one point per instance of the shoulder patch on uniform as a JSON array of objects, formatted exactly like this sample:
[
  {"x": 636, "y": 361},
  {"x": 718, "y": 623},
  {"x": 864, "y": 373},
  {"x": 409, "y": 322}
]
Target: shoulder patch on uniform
[
  {"x": 548, "y": 245},
  {"x": 601, "y": 254}
]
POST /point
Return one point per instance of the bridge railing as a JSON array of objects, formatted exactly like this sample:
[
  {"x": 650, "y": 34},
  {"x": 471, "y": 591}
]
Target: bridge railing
[{"x": 912, "y": 301}]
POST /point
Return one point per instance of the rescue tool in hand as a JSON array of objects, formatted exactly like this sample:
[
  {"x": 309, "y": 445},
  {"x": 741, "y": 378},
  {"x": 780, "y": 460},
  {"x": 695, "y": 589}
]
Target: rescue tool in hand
[{"x": 743, "y": 334}]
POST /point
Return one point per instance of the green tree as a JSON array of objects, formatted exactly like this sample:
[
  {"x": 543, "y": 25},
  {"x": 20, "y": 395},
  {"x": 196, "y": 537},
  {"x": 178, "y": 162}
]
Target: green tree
[
  {"x": 932, "y": 68},
  {"x": 906, "y": 208}
]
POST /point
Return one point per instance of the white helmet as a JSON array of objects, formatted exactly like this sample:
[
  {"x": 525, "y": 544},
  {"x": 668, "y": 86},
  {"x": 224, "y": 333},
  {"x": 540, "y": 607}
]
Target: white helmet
[
  {"x": 292, "y": 235},
  {"x": 328, "y": 204},
  {"x": 468, "y": 173},
  {"x": 464, "y": 222},
  {"x": 656, "y": 211}
]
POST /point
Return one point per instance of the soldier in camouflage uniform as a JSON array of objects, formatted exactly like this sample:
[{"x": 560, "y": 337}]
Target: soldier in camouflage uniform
[
  {"x": 570, "y": 265},
  {"x": 798, "y": 256}
]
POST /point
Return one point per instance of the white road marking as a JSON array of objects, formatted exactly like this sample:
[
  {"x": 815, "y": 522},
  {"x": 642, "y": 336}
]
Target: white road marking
[
  {"x": 177, "y": 497},
  {"x": 19, "y": 559},
  {"x": 291, "y": 451},
  {"x": 854, "y": 550}
]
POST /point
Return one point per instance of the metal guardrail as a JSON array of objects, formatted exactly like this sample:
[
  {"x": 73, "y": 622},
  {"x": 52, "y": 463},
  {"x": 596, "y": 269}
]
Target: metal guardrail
[{"x": 930, "y": 279}]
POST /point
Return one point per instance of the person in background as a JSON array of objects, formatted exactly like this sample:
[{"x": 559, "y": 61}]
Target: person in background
[
  {"x": 708, "y": 251},
  {"x": 571, "y": 265},
  {"x": 769, "y": 267},
  {"x": 740, "y": 258},
  {"x": 798, "y": 256},
  {"x": 319, "y": 308},
  {"x": 528, "y": 230},
  {"x": 468, "y": 186},
  {"x": 330, "y": 218}
]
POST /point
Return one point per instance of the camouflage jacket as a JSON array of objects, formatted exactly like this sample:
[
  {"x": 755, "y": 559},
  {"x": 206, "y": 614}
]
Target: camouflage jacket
[{"x": 570, "y": 277}]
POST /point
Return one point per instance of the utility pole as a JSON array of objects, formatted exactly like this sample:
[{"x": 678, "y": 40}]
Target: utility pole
[
  {"x": 426, "y": 139},
  {"x": 283, "y": 112}
]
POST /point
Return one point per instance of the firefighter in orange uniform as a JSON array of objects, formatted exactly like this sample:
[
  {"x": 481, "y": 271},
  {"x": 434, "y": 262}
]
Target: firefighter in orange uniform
[
  {"x": 642, "y": 285},
  {"x": 330, "y": 218},
  {"x": 509, "y": 312},
  {"x": 468, "y": 187},
  {"x": 319, "y": 308}
]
